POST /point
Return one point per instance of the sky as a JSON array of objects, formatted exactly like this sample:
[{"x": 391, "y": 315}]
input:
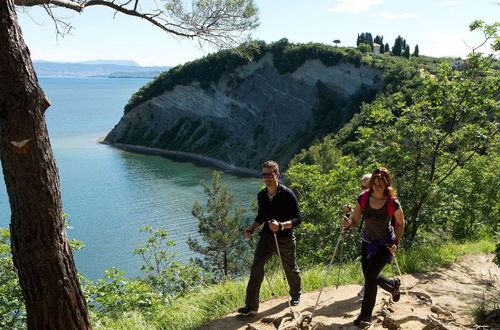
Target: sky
[{"x": 440, "y": 28}]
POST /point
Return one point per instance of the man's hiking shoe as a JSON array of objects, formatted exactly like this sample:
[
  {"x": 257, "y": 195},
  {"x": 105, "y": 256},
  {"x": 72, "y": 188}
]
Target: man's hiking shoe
[
  {"x": 362, "y": 320},
  {"x": 245, "y": 311},
  {"x": 361, "y": 292},
  {"x": 396, "y": 294},
  {"x": 295, "y": 301}
]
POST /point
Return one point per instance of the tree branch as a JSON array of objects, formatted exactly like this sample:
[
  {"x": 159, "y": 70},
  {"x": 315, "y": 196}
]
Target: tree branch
[{"x": 222, "y": 23}]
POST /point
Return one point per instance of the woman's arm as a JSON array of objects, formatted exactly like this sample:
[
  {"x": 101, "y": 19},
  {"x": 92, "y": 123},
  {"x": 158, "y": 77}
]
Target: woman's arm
[{"x": 354, "y": 220}]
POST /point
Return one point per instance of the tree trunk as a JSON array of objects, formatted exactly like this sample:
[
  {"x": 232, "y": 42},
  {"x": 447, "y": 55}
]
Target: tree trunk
[{"x": 40, "y": 248}]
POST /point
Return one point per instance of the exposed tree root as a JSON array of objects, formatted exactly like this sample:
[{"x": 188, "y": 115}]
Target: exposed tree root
[
  {"x": 297, "y": 322},
  {"x": 430, "y": 322}
]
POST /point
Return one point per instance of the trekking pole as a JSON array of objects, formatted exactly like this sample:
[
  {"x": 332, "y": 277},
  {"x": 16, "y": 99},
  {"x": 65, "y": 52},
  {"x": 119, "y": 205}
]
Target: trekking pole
[
  {"x": 265, "y": 276},
  {"x": 341, "y": 236},
  {"x": 282, "y": 269},
  {"x": 401, "y": 276}
]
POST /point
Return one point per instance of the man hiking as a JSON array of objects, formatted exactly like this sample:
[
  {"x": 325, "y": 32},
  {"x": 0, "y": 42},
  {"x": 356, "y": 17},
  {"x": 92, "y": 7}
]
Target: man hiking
[{"x": 279, "y": 212}]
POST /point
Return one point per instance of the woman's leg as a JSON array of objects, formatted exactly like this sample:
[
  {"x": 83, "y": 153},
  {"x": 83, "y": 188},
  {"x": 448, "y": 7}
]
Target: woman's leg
[{"x": 373, "y": 267}]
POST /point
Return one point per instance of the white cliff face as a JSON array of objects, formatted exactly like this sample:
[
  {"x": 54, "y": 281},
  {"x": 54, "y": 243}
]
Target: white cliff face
[{"x": 246, "y": 117}]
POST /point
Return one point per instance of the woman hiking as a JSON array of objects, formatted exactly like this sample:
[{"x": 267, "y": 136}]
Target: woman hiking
[{"x": 380, "y": 239}]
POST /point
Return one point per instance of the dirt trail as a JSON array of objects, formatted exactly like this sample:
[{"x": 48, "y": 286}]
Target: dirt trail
[{"x": 454, "y": 288}]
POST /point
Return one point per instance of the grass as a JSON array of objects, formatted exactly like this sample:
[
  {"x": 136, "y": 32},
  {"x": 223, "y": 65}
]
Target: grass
[{"x": 214, "y": 301}]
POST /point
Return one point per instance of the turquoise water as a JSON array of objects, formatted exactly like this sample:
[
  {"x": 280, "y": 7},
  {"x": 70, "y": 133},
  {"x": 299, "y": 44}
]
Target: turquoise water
[{"x": 109, "y": 193}]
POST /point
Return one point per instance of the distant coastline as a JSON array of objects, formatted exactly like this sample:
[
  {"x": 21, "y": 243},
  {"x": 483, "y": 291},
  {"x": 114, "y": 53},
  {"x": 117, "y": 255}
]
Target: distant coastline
[
  {"x": 107, "y": 69},
  {"x": 185, "y": 156}
]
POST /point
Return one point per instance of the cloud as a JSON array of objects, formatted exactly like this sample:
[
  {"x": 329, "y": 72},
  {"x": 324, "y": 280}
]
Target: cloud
[
  {"x": 388, "y": 15},
  {"x": 355, "y": 6},
  {"x": 450, "y": 3}
]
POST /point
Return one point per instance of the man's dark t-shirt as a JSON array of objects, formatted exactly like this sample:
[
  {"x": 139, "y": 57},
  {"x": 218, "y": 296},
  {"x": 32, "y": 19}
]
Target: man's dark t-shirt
[{"x": 282, "y": 207}]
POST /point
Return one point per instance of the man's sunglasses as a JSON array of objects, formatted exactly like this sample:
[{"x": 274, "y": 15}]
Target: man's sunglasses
[{"x": 267, "y": 175}]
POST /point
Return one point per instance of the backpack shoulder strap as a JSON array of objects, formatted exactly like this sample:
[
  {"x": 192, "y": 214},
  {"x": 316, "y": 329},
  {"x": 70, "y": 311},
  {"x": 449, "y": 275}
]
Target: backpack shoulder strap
[
  {"x": 390, "y": 207},
  {"x": 390, "y": 210},
  {"x": 364, "y": 199}
]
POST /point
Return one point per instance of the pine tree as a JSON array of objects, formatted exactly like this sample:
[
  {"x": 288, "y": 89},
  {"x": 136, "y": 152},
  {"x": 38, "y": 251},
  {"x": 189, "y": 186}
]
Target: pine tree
[
  {"x": 387, "y": 49},
  {"x": 226, "y": 253}
]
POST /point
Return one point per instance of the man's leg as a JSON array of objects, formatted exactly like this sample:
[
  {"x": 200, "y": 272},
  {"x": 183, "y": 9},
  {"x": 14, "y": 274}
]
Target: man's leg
[
  {"x": 288, "y": 256},
  {"x": 263, "y": 251}
]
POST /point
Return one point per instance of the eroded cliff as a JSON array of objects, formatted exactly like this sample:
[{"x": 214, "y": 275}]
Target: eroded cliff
[{"x": 251, "y": 114}]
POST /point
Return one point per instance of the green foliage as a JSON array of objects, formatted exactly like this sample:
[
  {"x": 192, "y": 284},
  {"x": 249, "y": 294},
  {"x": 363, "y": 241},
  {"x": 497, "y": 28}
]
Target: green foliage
[
  {"x": 490, "y": 31},
  {"x": 12, "y": 310},
  {"x": 171, "y": 278},
  {"x": 165, "y": 281},
  {"x": 365, "y": 38},
  {"x": 226, "y": 253},
  {"x": 399, "y": 46},
  {"x": 467, "y": 202},
  {"x": 288, "y": 57},
  {"x": 423, "y": 136},
  {"x": 116, "y": 294},
  {"x": 321, "y": 197},
  {"x": 364, "y": 48}
]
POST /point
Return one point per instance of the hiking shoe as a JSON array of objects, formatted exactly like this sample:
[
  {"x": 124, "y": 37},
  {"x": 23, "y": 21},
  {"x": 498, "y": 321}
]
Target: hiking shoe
[
  {"x": 295, "y": 301},
  {"x": 361, "y": 292},
  {"x": 362, "y": 320},
  {"x": 396, "y": 294},
  {"x": 246, "y": 311}
]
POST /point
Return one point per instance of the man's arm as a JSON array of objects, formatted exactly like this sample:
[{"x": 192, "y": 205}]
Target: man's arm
[
  {"x": 295, "y": 212},
  {"x": 250, "y": 230},
  {"x": 259, "y": 219},
  {"x": 293, "y": 205}
]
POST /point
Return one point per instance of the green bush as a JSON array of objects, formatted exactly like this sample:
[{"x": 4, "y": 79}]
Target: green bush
[{"x": 12, "y": 310}]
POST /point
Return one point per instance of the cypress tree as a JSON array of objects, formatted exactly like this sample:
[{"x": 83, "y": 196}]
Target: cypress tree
[
  {"x": 407, "y": 51},
  {"x": 397, "y": 49},
  {"x": 416, "y": 51},
  {"x": 369, "y": 39}
]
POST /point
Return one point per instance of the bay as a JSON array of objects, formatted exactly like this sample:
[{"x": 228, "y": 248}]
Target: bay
[{"x": 109, "y": 193}]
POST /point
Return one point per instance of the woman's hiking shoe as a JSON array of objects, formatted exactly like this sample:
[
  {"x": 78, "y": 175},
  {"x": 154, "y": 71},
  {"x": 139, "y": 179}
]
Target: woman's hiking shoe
[
  {"x": 295, "y": 301},
  {"x": 396, "y": 294},
  {"x": 362, "y": 320},
  {"x": 245, "y": 311}
]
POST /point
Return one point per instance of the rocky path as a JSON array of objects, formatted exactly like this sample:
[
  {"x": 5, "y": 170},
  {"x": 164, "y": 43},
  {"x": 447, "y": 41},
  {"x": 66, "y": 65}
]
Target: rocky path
[{"x": 444, "y": 297}]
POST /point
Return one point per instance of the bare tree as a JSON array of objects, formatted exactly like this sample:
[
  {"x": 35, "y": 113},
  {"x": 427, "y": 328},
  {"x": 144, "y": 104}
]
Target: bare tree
[
  {"x": 40, "y": 248},
  {"x": 222, "y": 23}
]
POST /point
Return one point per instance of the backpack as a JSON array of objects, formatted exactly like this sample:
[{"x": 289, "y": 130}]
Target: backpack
[{"x": 365, "y": 196}]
